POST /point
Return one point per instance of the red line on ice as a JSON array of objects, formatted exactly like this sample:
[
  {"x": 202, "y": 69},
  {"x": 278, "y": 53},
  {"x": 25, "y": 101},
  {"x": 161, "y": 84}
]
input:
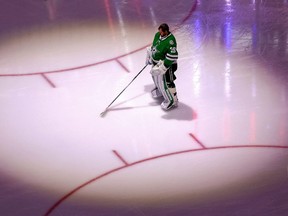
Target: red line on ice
[
  {"x": 120, "y": 157},
  {"x": 193, "y": 8},
  {"x": 48, "y": 80},
  {"x": 197, "y": 140},
  {"x": 123, "y": 66},
  {"x": 78, "y": 67},
  {"x": 65, "y": 197}
]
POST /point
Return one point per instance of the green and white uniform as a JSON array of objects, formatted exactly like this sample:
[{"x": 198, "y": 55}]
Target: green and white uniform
[{"x": 165, "y": 49}]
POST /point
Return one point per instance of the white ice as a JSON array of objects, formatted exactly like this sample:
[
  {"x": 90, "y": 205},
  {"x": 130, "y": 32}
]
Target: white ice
[{"x": 223, "y": 151}]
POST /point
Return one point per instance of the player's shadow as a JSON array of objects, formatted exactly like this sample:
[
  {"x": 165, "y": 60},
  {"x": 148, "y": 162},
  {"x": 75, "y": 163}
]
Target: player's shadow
[{"x": 182, "y": 112}]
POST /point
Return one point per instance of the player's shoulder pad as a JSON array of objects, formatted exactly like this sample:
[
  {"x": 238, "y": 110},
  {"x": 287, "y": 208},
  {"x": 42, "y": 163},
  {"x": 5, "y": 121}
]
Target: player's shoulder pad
[{"x": 172, "y": 40}]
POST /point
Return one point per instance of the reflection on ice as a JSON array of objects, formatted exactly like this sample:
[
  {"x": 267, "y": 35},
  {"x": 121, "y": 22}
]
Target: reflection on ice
[{"x": 223, "y": 148}]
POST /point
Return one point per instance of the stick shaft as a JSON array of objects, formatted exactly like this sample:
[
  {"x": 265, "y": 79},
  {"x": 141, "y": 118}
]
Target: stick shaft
[{"x": 126, "y": 87}]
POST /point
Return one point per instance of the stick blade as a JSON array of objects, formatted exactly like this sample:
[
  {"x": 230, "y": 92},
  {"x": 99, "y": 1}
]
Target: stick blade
[{"x": 103, "y": 114}]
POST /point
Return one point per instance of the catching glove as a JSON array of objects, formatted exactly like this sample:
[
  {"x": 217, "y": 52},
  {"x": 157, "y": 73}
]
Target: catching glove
[{"x": 159, "y": 69}]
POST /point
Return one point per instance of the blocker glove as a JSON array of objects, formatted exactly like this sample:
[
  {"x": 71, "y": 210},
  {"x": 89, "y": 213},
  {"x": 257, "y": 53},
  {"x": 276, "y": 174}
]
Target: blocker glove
[{"x": 159, "y": 69}]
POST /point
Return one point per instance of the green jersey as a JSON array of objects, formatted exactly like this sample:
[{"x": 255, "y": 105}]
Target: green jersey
[{"x": 164, "y": 48}]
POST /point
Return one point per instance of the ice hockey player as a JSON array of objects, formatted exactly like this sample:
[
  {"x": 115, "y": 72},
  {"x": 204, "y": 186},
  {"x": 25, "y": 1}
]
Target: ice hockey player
[{"x": 163, "y": 55}]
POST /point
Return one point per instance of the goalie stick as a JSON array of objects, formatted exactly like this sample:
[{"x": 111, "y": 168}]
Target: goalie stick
[{"x": 105, "y": 111}]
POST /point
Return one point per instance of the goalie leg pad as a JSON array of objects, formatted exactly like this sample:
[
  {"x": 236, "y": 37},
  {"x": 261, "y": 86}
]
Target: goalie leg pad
[
  {"x": 168, "y": 104},
  {"x": 169, "y": 94},
  {"x": 156, "y": 93}
]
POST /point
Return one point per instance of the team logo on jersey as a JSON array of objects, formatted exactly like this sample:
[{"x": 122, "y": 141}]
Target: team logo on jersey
[{"x": 171, "y": 42}]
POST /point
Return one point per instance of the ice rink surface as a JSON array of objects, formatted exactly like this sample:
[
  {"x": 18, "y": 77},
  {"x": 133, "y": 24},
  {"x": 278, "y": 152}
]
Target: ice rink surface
[{"x": 223, "y": 151}]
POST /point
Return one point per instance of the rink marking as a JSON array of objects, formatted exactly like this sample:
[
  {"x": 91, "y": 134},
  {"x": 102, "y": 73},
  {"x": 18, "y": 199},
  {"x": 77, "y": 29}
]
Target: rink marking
[
  {"x": 193, "y": 8},
  {"x": 69, "y": 194},
  {"x": 48, "y": 80},
  {"x": 198, "y": 141},
  {"x": 79, "y": 67},
  {"x": 122, "y": 65},
  {"x": 120, "y": 157}
]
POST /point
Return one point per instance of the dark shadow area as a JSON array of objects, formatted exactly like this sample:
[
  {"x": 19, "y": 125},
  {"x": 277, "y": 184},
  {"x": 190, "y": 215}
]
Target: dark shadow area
[{"x": 183, "y": 113}]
